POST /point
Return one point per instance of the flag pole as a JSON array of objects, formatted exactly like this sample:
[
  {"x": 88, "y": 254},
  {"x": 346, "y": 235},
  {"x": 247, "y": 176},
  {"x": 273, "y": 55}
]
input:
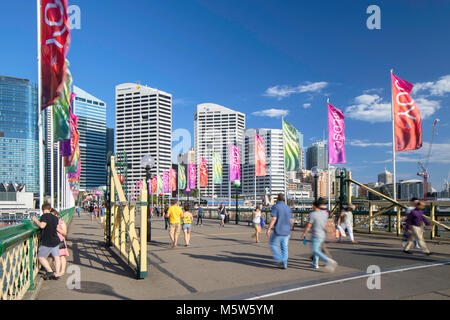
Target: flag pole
[
  {"x": 40, "y": 135},
  {"x": 393, "y": 144},
  {"x": 328, "y": 162},
  {"x": 284, "y": 159},
  {"x": 52, "y": 161},
  {"x": 254, "y": 155},
  {"x": 58, "y": 179}
]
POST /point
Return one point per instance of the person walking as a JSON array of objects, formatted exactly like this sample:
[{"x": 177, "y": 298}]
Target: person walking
[
  {"x": 199, "y": 215},
  {"x": 166, "y": 217},
  {"x": 49, "y": 242},
  {"x": 222, "y": 213},
  {"x": 187, "y": 219},
  {"x": 317, "y": 223},
  {"x": 175, "y": 213},
  {"x": 257, "y": 216},
  {"x": 412, "y": 205},
  {"x": 63, "y": 251},
  {"x": 281, "y": 223},
  {"x": 345, "y": 222},
  {"x": 414, "y": 224}
]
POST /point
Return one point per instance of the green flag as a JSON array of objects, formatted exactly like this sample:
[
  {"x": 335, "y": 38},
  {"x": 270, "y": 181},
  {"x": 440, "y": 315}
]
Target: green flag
[
  {"x": 217, "y": 168},
  {"x": 160, "y": 185},
  {"x": 181, "y": 177},
  {"x": 61, "y": 115},
  {"x": 291, "y": 148},
  {"x": 74, "y": 167}
]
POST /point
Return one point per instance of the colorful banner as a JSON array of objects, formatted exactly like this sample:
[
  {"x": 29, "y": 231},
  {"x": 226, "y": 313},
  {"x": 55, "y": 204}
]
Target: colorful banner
[
  {"x": 60, "y": 110},
  {"x": 73, "y": 168},
  {"x": 166, "y": 181},
  {"x": 181, "y": 177},
  {"x": 173, "y": 180},
  {"x": 160, "y": 185},
  {"x": 260, "y": 157},
  {"x": 235, "y": 163},
  {"x": 68, "y": 146},
  {"x": 192, "y": 175},
  {"x": 407, "y": 120},
  {"x": 55, "y": 43},
  {"x": 217, "y": 168},
  {"x": 203, "y": 173},
  {"x": 154, "y": 185},
  {"x": 336, "y": 136},
  {"x": 291, "y": 148}
]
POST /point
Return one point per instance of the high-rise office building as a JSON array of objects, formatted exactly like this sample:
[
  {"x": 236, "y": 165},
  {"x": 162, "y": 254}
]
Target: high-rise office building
[
  {"x": 385, "y": 177},
  {"x": 92, "y": 129},
  {"x": 143, "y": 127},
  {"x": 274, "y": 181},
  {"x": 317, "y": 156},
  {"x": 109, "y": 140},
  {"x": 216, "y": 127},
  {"x": 19, "y": 149},
  {"x": 301, "y": 150}
]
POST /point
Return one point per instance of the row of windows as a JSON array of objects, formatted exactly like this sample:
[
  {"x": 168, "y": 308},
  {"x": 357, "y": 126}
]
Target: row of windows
[{"x": 89, "y": 101}]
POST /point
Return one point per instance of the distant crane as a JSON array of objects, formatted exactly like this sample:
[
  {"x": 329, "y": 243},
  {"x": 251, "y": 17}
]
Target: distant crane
[{"x": 424, "y": 167}]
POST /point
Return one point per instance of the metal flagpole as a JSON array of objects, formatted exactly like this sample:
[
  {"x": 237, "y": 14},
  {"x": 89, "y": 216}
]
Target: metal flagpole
[
  {"x": 284, "y": 159},
  {"x": 58, "y": 179},
  {"x": 393, "y": 144},
  {"x": 254, "y": 155},
  {"x": 52, "y": 161},
  {"x": 328, "y": 164},
  {"x": 41, "y": 149}
]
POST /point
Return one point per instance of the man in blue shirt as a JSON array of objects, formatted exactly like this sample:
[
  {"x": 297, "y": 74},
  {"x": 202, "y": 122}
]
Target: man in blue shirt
[
  {"x": 281, "y": 223},
  {"x": 199, "y": 215}
]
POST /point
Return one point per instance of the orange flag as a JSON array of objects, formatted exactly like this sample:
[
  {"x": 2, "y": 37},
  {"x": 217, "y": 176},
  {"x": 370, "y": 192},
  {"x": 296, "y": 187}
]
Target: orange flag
[{"x": 407, "y": 120}]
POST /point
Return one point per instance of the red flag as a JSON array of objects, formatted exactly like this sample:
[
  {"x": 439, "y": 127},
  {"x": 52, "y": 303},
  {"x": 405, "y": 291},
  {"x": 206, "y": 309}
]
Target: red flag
[
  {"x": 154, "y": 185},
  {"x": 203, "y": 173},
  {"x": 407, "y": 121},
  {"x": 260, "y": 157},
  {"x": 55, "y": 43}
]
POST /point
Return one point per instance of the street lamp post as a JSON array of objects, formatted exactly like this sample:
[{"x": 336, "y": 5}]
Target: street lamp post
[
  {"x": 315, "y": 171},
  {"x": 148, "y": 162},
  {"x": 237, "y": 183}
]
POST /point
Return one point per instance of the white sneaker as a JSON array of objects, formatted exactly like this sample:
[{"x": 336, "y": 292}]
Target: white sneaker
[
  {"x": 315, "y": 266},
  {"x": 331, "y": 266}
]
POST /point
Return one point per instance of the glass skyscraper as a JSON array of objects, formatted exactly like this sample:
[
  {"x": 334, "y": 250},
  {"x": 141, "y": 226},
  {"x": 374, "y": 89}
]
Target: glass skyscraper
[
  {"x": 19, "y": 149},
  {"x": 92, "y": 129}
]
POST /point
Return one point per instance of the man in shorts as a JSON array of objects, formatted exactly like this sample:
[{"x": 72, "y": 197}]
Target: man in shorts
[
  {"x": 175, "y": 213},
  {"x": 49, "y": 242}
]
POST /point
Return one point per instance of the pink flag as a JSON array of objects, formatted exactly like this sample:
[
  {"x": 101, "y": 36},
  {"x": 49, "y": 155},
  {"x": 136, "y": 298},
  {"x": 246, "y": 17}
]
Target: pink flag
[
  {"x": 260, "y": 157},
  {"x": 173, "y": 180},
  {"x": 203, "y": 173},
  {"x": 166, "y": 178},
  {"x": 336, "y": 136},
  {"x": 235, "y": 163},
  {"x": 192, "y": 175}
]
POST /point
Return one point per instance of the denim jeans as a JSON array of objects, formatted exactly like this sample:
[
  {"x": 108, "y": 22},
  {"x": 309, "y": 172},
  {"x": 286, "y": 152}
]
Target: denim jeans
[
  {"x": 279, "y": 246},
  {"x": 316, "y": 244}
]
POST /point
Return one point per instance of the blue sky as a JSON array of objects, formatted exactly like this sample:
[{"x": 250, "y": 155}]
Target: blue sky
[{"x": 264, "y": 58}]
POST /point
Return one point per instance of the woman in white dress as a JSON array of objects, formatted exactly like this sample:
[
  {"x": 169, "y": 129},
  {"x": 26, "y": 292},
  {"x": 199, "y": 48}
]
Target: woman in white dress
[{"x": 345, "y": 221}]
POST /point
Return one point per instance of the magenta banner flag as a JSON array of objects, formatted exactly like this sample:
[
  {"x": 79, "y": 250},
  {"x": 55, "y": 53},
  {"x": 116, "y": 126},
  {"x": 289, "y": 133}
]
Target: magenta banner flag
[
  {"x": 166, "y": 177},
  {"x": 192, "y": 175},
  {"x": 235, "y": 163},
  {"x": 336, "y": 136}
]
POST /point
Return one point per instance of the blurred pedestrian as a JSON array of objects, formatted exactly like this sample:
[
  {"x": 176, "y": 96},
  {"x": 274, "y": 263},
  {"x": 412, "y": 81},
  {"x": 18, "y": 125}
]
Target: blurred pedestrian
[
  {"x": 175, "y": 213},
  {"x": 414, "y": 225},
  {"x": 345, "y": 222},
  {"x": 166, "y": 217},
  {"x": 63, "y": 251},
  {"x": 199, "y": 215},
  {"x": 257, "y": 218},
  {"x": 222, "y": 213},
  {"x": 317, "y": 223}
]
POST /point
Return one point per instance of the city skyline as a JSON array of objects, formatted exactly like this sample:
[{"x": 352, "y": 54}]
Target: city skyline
[{"x": 270, "y": 75}]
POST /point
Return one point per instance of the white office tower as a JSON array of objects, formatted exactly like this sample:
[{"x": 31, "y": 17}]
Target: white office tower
[
  {"x": 216, "y": 127},
  {"x": 274, "y": 181},
  {"x": 143, "y": 127}
]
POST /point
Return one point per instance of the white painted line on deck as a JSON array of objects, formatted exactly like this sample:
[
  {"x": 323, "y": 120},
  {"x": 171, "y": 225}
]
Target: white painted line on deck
[{"x": 345, "y": 280}]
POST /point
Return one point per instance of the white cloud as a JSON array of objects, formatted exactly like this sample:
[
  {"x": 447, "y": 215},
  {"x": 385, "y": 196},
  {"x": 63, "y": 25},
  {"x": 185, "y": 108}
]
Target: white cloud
[
  {"x": 306, "y": 105},
  {"x": 365, "y": 143},
  {"x": 438, "y": 88},
  {"x": 373, "y": 109},
  {"x": 285, "y": 91},
  {"x": 271, "y": 113},
  {"x": 440, "y": 153}
]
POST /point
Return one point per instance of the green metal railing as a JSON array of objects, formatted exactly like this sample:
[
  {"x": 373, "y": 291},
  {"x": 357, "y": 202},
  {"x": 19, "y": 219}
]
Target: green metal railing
[{"x": 19, "y": 263}]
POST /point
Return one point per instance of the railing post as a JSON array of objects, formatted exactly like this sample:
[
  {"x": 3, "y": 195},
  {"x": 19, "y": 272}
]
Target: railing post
[
  {"x": 349, "y": 188},
  {"x": 143, "y": 272},
  {"x": 30, "y": 264},
  {"x": 399, "y": 221},
  {"x": 432, "y": 216},
  {"x": 370, "y": 216},
  {"x": 389, "y": 217}
]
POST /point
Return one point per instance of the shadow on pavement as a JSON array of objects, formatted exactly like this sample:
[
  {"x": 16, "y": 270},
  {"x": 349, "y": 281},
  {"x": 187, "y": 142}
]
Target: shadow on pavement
[{"x": 92, "y": 287}]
